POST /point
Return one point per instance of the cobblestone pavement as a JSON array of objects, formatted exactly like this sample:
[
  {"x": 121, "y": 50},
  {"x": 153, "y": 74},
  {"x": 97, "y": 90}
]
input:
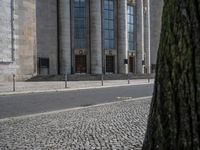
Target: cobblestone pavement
[{"x": 114, "y": 126}]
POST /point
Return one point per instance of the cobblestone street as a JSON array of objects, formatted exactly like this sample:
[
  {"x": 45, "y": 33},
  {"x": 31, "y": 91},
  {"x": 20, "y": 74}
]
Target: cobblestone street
[{"x": 113, "y": 126}]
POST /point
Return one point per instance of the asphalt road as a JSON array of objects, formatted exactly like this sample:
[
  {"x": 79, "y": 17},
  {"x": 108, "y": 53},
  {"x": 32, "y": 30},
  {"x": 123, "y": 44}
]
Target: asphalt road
[{"x": 17, "y": 105}]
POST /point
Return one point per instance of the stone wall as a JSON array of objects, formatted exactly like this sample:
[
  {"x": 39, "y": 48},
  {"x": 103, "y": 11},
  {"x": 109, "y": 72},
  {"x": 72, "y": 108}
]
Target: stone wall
[
  {"x": 7, "y": 66},
  {"x": 38, "y": 38},
  {"x": 6, "y": 31},
  {"x": 47, "y": 32},
  {"x": 25, "y": 37}
]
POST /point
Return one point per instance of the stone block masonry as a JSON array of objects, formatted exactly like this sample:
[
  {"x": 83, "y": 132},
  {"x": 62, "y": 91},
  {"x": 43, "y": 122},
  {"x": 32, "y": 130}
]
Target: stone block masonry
[
  {"x": 25, "y": 29},
  {"x": 96, "y": 37},
  {"x": 7, "y": 66},
  {"x": 6, "y": 31},
  {"x": 21, "y": 59},
  {"x": 37, "y": 37},
  {"x": 65, "y": 36},
  {"x": 46, "y": 13},
  {"x": 123, "y": 41}
]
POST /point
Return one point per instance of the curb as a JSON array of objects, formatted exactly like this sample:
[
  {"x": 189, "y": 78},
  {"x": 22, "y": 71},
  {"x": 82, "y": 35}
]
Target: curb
[{"x": 68, "y": 89}]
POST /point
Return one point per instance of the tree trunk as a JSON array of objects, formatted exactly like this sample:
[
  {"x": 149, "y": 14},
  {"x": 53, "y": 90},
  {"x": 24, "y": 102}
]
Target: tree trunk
[{"x": 174, "y": 120}]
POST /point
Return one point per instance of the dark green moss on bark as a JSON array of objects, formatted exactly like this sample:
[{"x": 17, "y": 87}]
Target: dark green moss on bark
[{"x": 174, "y": 120}]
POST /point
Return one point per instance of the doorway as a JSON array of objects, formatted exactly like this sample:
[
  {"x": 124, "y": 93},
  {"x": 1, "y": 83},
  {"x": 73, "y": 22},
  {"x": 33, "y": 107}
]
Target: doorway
[
  {"x": 80, "y": 64},
  {"x": 110, "y": 64},
  {"x": 43, "y": 66},
  {"x": 132, "y": 64}
]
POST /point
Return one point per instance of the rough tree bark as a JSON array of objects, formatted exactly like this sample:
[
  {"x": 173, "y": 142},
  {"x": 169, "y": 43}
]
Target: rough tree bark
[{"x": 174, "y": 120}]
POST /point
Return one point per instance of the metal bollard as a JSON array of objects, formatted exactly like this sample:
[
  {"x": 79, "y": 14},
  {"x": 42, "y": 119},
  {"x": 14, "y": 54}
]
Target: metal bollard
[
  {"x": 128, "y": 78},
  {"x": 148, "y": 78},
  {"x": 102, "y": 80},
  {"x": 14, "y": 80},
  {"x": 66, "y": 85}
]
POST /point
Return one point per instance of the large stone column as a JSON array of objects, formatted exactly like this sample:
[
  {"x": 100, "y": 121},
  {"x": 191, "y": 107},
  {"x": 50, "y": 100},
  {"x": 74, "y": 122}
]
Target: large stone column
[
  {"x": 122, "y": 36},
  {"x": 147, "y": 36},
  {"x": 96, "y": 36},
  {"x": 156, "y": 7},
  {"x": 140, "y": 37},
  {"x": 148, "y": 41},
  {"x": 65, "y": 36}
]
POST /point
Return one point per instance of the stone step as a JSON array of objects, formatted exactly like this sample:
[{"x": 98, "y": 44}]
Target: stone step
[{"x": 88, "y": 77}]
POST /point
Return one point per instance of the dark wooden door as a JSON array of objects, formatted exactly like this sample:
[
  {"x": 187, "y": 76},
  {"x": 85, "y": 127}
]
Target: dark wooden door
[
  {"x": 132, "y": 64},
  {"x": 80, "y": 64},
  {"x": 110, "y": 64}
]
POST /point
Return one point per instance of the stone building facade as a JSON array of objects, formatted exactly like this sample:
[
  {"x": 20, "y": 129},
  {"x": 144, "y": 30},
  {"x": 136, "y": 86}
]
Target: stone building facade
[
  {"x": 78, "y": 36},
  {"x": 17, "y": 38}
]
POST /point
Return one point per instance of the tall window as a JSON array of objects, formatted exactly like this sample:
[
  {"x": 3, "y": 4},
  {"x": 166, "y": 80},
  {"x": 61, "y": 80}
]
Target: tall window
[
  {"x": 80, "y": 24},
  {"x": 131, "y": 44},
  {"x": 109, "y": 40}
]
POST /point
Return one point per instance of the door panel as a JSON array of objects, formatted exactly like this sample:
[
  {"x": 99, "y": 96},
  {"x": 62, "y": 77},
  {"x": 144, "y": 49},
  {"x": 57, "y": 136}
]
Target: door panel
[
  {"x": 80, "y": 64},
  {"x": 110, "y": 61},
  {"x": 132, "y": 64}
]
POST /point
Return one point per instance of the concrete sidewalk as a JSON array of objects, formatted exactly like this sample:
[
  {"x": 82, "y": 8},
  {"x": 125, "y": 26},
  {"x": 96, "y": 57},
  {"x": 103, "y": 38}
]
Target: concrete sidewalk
[{"x": 6, "y": 88}]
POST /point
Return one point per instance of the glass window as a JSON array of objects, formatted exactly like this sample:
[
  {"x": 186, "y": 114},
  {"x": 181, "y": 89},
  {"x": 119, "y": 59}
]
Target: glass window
[
  {"x": 111, "y": 6},
  {"x": 106, "y": 4},
  {"x": 109, "y": 39},
  {"x": 111, "y": 25},
  {"x": 111, "y": 34},
  {"x": 82, "y": 3},
  {"x": 106, "y": 42},
  {"x": 106, "y": 35},
  {"x": 76, "y": 3},
  {"x": 106, "y": 24},
  {"x": 106, "y": 15},
  {"x": 80, "y": 24},
  {"x": 110, "y": 15},
  {"x": 111, "y": 43},
  {"x": 131, "y": 44}
]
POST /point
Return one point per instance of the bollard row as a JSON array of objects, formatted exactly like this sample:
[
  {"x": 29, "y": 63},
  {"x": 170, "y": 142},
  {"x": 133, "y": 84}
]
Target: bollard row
[{"x": 22, "y": 85}]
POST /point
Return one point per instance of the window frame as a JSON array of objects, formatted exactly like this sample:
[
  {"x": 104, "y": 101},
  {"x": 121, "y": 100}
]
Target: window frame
[
  {"x": 131, "y": 23},
  {"x": 109, "y": 25},
  {"x": 80, "y": 23}
]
